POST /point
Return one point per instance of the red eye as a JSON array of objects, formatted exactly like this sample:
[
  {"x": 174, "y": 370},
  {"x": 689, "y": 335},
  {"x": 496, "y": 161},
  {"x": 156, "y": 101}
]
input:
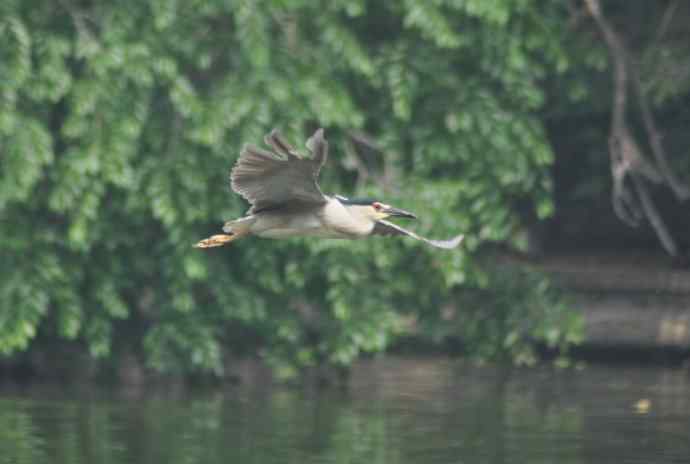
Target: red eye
[{"x": 377, "y": 206}]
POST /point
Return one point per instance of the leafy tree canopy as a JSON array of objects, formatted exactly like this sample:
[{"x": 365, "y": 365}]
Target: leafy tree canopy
[{"x": 120, "y": 120}]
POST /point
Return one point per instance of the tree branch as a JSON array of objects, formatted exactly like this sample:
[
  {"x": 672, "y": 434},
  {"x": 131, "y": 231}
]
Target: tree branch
[
  {"x": 681, "y": 191},
  {"x": 654, "y": 217},
  {"x": 618, "y": 55},
  {"x": 665, "y": 21},
  {"x": 626, "y": 155}
]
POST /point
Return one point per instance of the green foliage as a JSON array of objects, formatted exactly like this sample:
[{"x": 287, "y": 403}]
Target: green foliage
[
  {"x": 119, "y": 122},
  {"x": 525, "y": 309}
]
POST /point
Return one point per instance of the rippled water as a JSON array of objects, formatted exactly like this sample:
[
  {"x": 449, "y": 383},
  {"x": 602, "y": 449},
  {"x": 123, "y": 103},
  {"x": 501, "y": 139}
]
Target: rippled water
[{"x": 395, "y": 411}]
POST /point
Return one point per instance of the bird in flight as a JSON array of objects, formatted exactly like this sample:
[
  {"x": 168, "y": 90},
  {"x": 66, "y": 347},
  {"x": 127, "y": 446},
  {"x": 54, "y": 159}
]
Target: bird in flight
[{"x": 286, "y": 200}]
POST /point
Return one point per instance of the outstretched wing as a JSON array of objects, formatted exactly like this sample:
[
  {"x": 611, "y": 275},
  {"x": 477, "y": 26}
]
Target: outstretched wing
[
  {"x": 282, "y": 176},
  {"x": 389, "y": 229}
]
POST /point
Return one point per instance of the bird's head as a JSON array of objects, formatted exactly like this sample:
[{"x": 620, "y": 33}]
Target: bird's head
[
  {"x": 374, "y": 209},
  {"x": 379, "y": 210}
]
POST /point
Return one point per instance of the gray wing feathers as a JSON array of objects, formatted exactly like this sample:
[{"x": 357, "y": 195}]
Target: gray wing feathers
[
  {"x": 318, "y": 146},
  {"x": 280, "y": 145},
  {"x": 386, "y": 228},
  {"x": 269, "y": 179}
]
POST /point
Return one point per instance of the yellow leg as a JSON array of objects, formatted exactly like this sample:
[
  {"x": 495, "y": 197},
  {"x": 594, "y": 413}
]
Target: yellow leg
[{"x": 216, "y": 240}]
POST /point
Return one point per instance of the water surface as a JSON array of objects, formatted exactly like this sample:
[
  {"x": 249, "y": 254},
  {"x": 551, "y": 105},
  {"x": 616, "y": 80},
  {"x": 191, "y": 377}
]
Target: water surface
[{"x": 395, "y": 411}]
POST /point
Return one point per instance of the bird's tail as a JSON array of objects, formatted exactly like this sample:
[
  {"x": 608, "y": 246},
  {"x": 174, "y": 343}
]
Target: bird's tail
[{"x": 239, "y": 226}]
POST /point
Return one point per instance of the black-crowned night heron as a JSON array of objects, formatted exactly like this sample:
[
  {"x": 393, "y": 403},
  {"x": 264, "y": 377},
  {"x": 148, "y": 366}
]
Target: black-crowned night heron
[{"x": 286, "y": 200}]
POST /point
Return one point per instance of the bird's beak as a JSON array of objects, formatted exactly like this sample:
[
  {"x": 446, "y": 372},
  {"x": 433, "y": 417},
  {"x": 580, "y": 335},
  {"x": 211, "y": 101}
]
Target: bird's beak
[{"x": 395, "y": 212}]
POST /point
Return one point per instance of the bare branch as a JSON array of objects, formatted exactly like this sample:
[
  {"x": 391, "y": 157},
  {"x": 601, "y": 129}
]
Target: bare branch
[
  {"x": 389, "y": 173},
  {"x": 665, "y": 21},
  {"x": 627, "y": 159},
  {"x": 654, "y": 217},
  {"x": 622, "y": 199},
  {"x": 618, "y": 55},
  {"x": 365, "y": 139},
  {"x": 627, "y": 151},
  {"x": 352, "y": 161},
  {"x": 681, "y": 191}
]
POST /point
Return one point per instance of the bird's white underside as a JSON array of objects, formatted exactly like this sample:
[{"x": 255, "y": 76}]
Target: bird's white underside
[{"x": 332, "y": 220}]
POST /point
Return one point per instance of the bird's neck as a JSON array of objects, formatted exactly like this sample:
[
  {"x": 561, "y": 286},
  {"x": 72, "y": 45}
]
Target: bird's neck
[{"x": 351, "y": 220}]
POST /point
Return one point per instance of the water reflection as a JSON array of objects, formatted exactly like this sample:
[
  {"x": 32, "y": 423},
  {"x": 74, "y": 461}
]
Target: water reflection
[{"x": 402, "y": 411}]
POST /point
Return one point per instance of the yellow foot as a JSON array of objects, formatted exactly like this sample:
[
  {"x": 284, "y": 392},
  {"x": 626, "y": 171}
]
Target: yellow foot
[{"x": 215, "y": 241}]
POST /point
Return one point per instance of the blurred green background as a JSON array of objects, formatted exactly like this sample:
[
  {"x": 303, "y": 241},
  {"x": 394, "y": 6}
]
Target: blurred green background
[{"x": 119, "y": 122}]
